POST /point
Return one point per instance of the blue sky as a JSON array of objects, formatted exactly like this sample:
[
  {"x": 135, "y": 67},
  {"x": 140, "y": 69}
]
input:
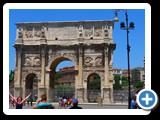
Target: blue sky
[{"x": 136, "y": 36}]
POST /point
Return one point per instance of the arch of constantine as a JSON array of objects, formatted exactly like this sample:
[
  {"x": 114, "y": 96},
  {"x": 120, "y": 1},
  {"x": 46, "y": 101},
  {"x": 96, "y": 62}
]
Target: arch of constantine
[{"x": 41, "y": 46}]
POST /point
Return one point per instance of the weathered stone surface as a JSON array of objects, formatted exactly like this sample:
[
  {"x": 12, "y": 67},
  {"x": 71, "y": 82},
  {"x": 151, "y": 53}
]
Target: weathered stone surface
[{"x": 40, "y": 47}]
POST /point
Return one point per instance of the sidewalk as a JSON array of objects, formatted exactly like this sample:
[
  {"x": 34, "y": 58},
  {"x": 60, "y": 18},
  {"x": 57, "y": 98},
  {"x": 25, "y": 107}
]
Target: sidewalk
[
  {"x": 85, "y": 106},
  {"x": 55, "y": 103}
]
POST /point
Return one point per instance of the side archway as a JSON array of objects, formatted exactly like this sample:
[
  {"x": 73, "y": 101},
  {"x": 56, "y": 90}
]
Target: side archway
[
  {"x": 31, "y": 85},
  {"x": 93, "y": 87}
]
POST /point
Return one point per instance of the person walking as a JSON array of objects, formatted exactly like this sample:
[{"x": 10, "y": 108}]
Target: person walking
[{"x": 133, "y": 103}]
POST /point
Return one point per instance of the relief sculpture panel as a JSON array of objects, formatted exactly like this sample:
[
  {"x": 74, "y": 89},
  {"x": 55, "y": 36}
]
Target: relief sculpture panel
[
  {"x": 27, "y": 62},
  {"x": 37, "y": 34},
  {"x": 88, "y": 61},
  {"x": 29, "y": 32},
  {"x": 98, "y": 32},
  {"x": 98, "y": 62},
  {"x": 36, "y": 61},
  {"x": 88, "y": 32}
]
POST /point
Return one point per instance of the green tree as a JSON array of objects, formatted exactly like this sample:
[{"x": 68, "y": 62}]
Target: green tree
[
  {"x": 138, "y": 84},
  {"x": 124, "y": 81},
  {"x": 57, "y": 75},
  {"x": 117, "y": 85},
  {"x": 11, "y": 76}
]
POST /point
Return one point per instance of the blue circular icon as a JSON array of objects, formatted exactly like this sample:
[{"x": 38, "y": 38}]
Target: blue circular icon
[{"x": 147, "y": 99}]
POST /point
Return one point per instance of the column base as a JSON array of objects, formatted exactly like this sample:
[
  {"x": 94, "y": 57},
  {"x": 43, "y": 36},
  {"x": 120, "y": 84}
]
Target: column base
[
  {"x": 85, "y": 100},
  {"x": 50, "y": 95},
  {"x": 106, "y": 95},
  {"x": 41, "y": 91},
  {"x": 80, "y": 95},
  {"x": 85, "y": 96}
]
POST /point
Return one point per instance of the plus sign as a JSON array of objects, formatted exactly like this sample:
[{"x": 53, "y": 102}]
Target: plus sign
[{"x": 147, "y": 99}]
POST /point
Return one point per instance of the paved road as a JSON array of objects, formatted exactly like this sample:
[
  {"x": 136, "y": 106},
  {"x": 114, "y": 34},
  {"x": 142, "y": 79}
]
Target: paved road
[{"x": 86, "y": 106}]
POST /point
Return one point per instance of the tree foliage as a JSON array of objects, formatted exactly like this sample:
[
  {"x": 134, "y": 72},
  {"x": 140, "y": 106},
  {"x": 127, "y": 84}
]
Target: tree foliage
[
  {"x": 11, "y": 76},
  {"x": 58, "y": 75},
  {"x": 124, "y": 81},
  {"x": 117, "y": 85},
  {"x": 138, "y": 84}
]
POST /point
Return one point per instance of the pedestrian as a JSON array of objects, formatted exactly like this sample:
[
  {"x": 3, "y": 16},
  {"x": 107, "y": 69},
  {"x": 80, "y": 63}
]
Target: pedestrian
[
  {"x": 59, "y": 102},
  {"x": 43, "y": 104},
  {"x": 75, "y": 104},
  {"x": 31, "y": 100},
  {"x": 19, "y": 101},
  {"x": 133, "y": 103},
  {"x": 28, "y": 100},
  {"x": 12, "y": 102},
  {"x": 35, "y": 97},
  {"x": 69, "y": 102}
]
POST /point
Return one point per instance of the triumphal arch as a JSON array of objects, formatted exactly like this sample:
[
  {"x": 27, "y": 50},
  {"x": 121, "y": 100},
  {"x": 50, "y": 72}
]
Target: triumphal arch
[{"x": 41, "y": 46}]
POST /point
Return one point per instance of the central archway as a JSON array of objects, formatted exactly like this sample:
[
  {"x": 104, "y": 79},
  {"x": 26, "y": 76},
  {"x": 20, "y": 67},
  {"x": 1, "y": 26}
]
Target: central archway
[
  {"x": 53, "y": 92},
  {"x": 93, "y": 87}
]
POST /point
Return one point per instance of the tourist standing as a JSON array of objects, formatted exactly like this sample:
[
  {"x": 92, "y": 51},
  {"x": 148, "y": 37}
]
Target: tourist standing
[{"x": 19, "y": 101}]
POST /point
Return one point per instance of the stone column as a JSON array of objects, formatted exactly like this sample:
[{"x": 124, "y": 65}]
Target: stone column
[
  {"x": 85, "y": 92},
  {"x": 106, "y": 95},
  {"x": 111, "y": 78},
  {"x": 42, "y": 67},
  {"x": 111, "y": 93},
  {"x": 106, "y": 82},
  {"x": 79, "y": 88},
  {"x": 24, "y": 89},
  {"x": 42, "y": 89},
  {"x": 17, "y": 82},
  {"x": 76, "y": 80},
  {"x": 48, "y": 88},
  {"x": 106, "y": 86},
  {"x": 18, "y": 92},
  {"x": 80, "y": 95},
  {"x": 80, "y": 77},
  {"x": 39, "y": 84}
]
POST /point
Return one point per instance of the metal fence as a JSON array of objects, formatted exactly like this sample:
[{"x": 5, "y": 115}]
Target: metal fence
[
  {"x": 119, "y": 96},
  {"x": 93, "y": 95}
]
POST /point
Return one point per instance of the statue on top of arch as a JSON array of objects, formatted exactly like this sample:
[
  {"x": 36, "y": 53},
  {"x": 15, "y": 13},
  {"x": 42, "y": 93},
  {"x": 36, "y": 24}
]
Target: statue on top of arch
[
  {"x": 43, "y": 32},
  {"x": 20, "y": 32}
]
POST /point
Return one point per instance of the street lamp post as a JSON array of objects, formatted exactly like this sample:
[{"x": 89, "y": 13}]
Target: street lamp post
[{"x": 127, "y": 28}]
